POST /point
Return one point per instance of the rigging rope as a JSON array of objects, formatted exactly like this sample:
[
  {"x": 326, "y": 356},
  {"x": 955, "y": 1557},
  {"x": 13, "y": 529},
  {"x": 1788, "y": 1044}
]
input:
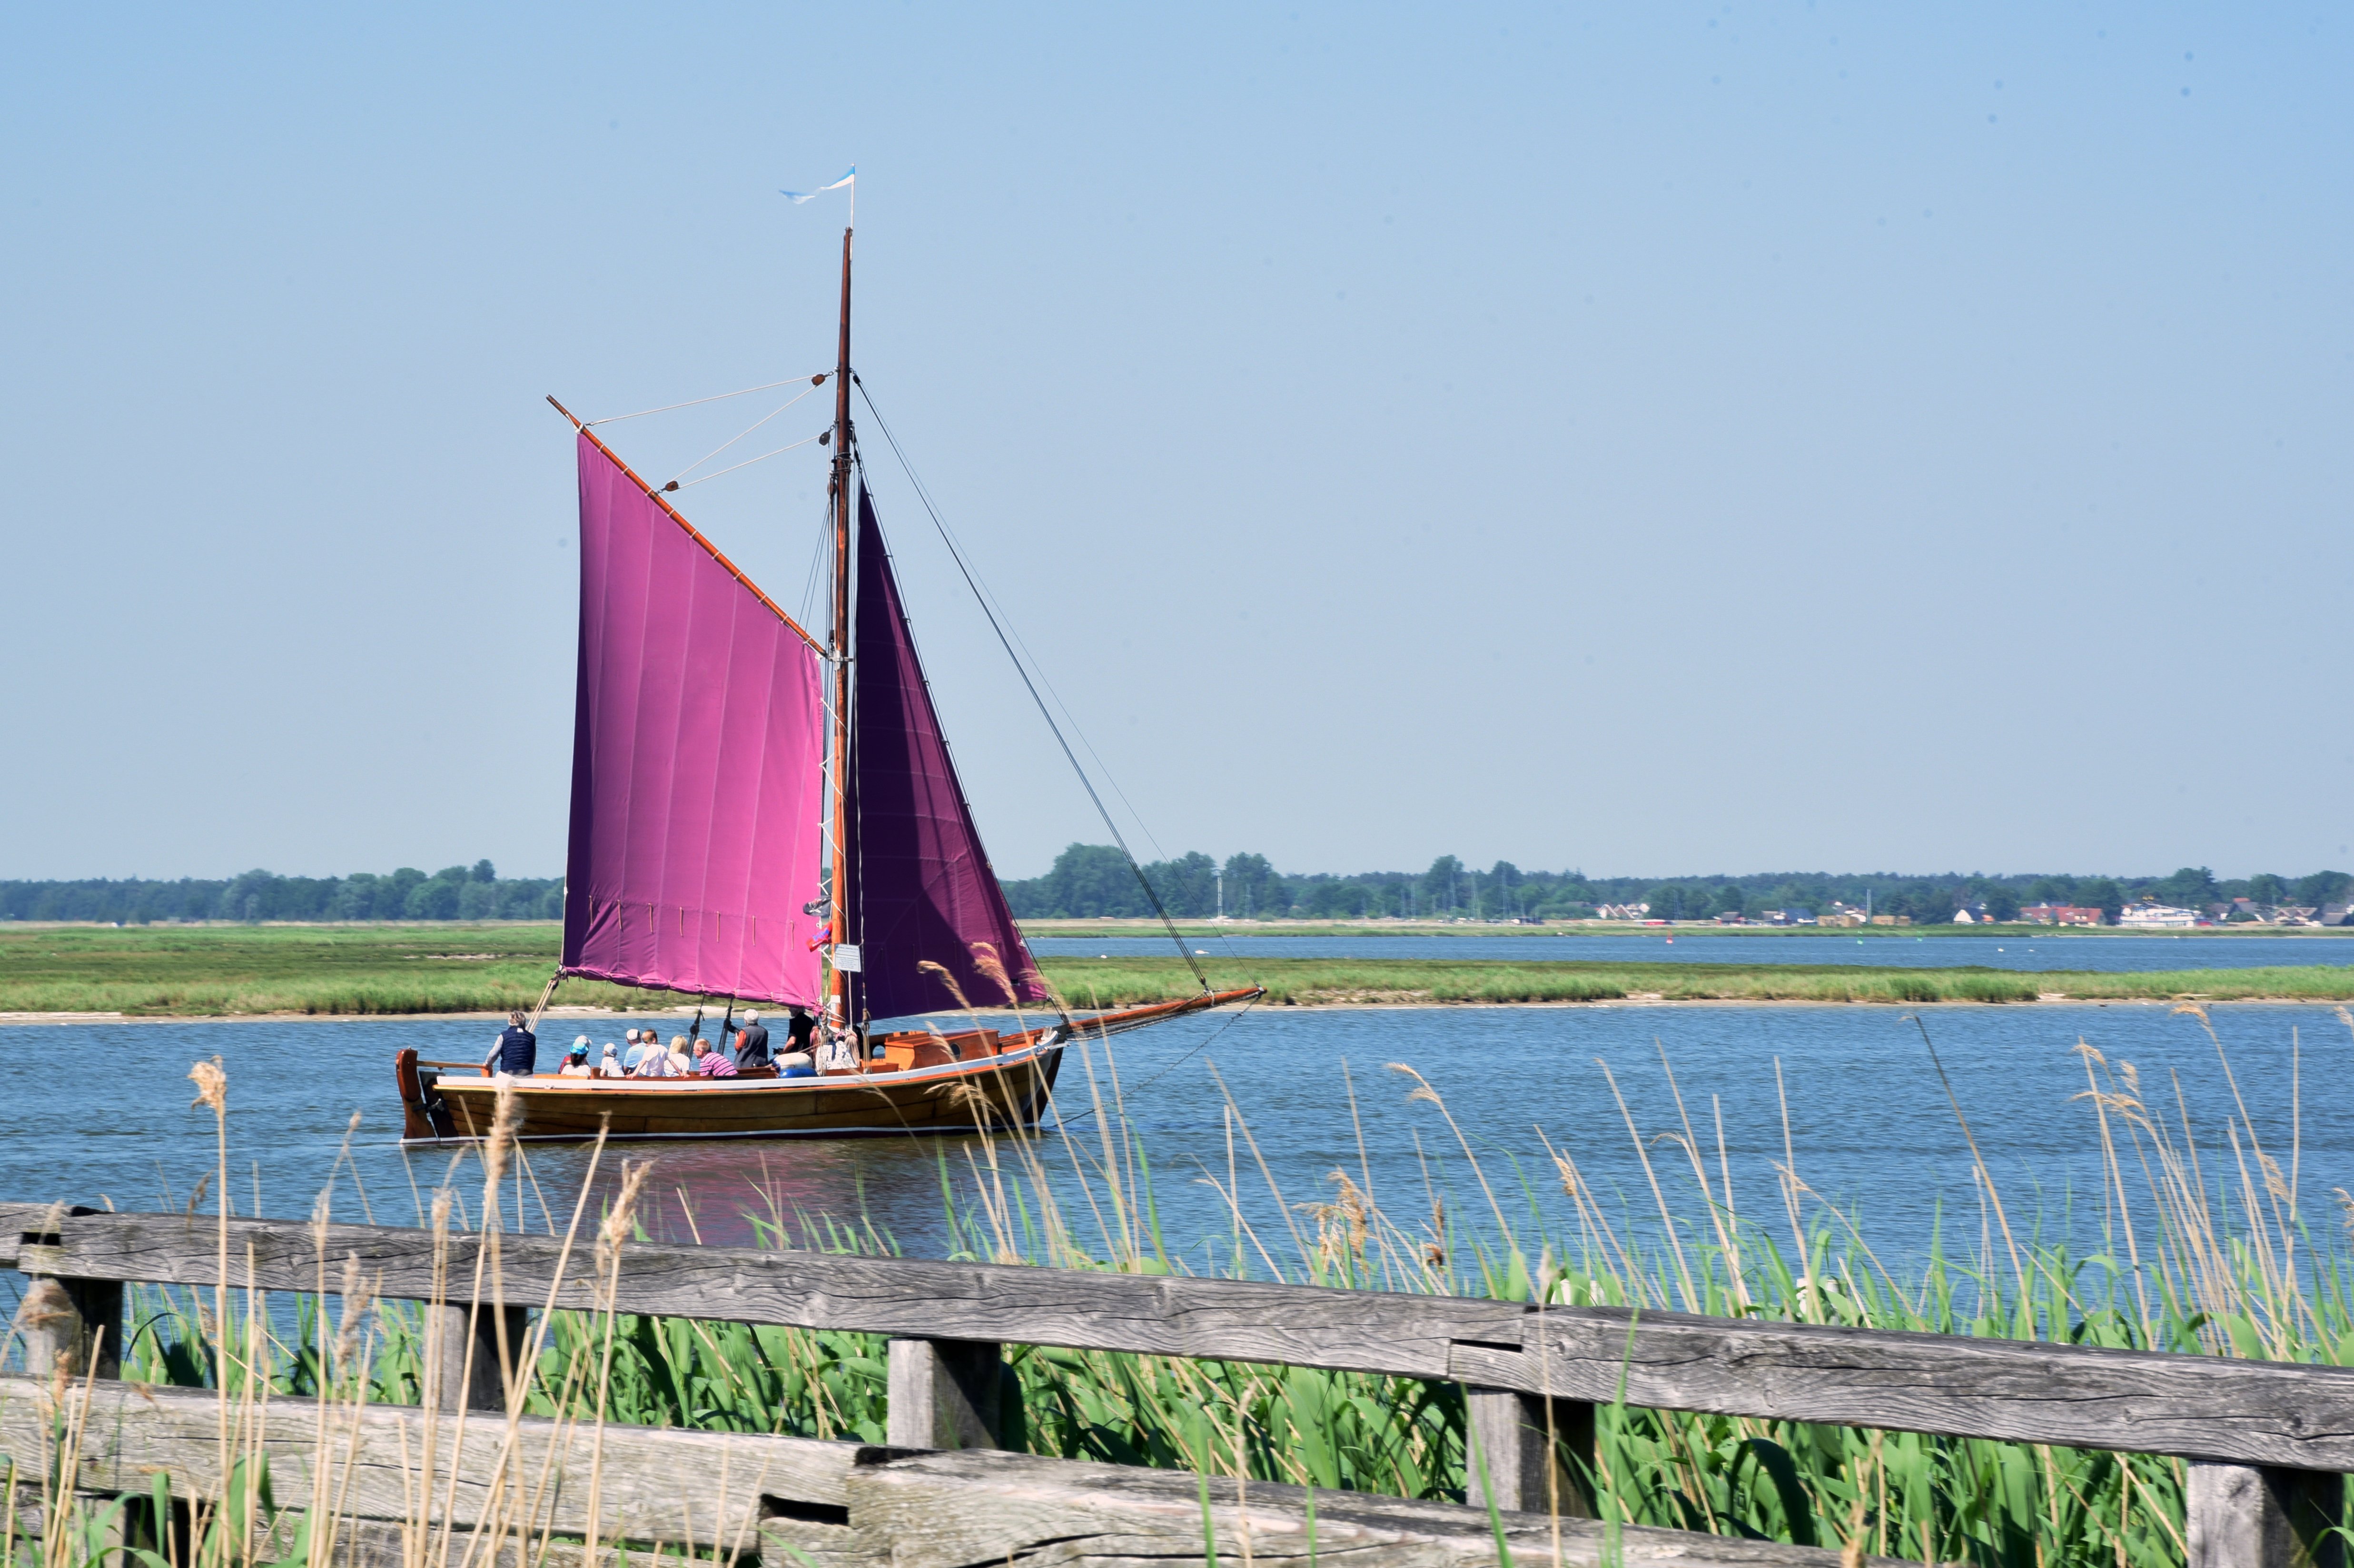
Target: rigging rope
[
  {"x": 1023, "y": 669},
  {"x": 748, "y": 463},
  {"x": 715, "y": 398},
  {"x": 739, "y": 436}
]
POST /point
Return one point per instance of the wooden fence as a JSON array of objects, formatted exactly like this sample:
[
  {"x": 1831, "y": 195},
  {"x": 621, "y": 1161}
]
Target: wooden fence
[{"x": 2267, "y": 1445}]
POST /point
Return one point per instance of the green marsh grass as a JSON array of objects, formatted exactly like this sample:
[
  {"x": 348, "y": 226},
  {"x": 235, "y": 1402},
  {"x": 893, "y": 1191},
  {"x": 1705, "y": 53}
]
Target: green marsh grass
[
  {"x": 227, "y": 970},
  {"x": 2202, "y": 1250}
]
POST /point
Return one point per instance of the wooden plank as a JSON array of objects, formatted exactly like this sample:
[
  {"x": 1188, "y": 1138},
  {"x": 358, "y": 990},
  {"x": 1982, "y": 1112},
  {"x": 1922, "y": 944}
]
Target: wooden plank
[
  {"x": 1361, "y": 1330},
  {"x": 132, "y": 1430},
  {"x": 2295, "y": 1417},
  {"x": 469, "y": 1351},
  {"x": 944, "y": 1393},
  {"x": 71, "y": 1326},
  {"x": 1522, "y": 1440},
  {"x": 2137, "y": 1402},
  {"x": 2241, "y": 1516},
  {"x": 955, "y": 1510}
]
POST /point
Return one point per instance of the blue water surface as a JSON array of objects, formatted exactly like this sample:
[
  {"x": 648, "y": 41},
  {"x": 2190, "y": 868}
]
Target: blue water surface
[
  {"x": 2103, "y": 954},
  {"x": 1869, "y": 1126}
]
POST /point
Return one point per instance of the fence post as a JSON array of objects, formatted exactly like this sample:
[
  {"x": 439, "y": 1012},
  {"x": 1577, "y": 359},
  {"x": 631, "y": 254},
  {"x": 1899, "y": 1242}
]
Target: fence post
[
  {"x": 944, "y": 1393},
  {"x": 2246, "y": 1515},
  {"x": 462, "y": 1345},
  {"x": 1524, "y": 1466},
  {"x": 73, "y": 1326}
]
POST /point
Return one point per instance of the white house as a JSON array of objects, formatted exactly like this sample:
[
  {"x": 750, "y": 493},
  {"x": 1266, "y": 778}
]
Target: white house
[{"x": 2156, "y": 915}]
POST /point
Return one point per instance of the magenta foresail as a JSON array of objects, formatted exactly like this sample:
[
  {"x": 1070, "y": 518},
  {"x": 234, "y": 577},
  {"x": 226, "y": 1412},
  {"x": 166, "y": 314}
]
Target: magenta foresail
[{"x": 697, "y": 764}]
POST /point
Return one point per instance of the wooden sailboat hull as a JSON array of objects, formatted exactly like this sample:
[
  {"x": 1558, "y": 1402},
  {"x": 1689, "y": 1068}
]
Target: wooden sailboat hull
[{"x": 956, "y": 1085}]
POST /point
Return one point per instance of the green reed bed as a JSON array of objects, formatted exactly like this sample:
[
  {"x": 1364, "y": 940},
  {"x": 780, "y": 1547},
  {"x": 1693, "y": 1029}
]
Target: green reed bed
[
  {"x": 224, "y": 971},
  {"x": 2212, "y": 1258}
]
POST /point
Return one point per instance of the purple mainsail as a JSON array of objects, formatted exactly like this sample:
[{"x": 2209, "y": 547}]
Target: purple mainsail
[
  {"x": 697, "y": 756},
  {"x": 931, "y": 923}
]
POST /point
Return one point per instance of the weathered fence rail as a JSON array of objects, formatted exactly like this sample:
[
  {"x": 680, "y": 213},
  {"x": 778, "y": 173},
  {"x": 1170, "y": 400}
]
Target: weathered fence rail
[{"x": 2267, "y": 1443}]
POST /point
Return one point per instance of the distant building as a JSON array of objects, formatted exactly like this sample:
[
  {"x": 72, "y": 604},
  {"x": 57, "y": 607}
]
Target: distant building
[
  {"x": 2060, "y": 915},
  {"x": 2156, "y": 916},
  {"x": 1891, "y": 920},
  {"x": 1788, "y": 918},
  {"x": 1621, "y": 911},
  {"x": 1973, "y": 915}
]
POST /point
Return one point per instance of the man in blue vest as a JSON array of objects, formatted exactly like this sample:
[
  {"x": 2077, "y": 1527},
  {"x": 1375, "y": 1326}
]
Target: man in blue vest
[{"x": 517, "y": 1050}]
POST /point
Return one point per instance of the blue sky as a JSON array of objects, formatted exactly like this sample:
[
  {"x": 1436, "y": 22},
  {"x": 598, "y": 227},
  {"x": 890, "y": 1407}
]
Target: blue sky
[{"x": 1662, "y": 440}]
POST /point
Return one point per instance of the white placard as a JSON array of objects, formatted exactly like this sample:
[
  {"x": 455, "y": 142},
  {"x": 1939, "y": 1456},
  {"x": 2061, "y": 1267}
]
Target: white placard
[{"x": 847, "y": 958}]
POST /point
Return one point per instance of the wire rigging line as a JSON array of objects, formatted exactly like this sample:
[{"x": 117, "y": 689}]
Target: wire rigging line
[
  {"x": 1023, "y": 669},
  {"x": 748, "y": 463},
  {"x": 691, "y": 402},
  {"x": 1200, "y": 1046},
  {"x": 1225, "y": 937},
  {"x": 739, "y": 436}
]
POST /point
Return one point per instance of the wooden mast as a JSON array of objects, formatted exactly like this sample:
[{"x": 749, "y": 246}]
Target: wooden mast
[{"x": 840, "y": 912}]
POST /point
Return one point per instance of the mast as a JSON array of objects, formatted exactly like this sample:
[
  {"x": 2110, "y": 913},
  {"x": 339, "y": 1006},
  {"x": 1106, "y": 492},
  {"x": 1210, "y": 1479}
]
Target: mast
[{"x": 840, "y": 491}]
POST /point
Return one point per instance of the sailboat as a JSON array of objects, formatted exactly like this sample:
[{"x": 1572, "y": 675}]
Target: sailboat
[{"x": 763, "y": 816}]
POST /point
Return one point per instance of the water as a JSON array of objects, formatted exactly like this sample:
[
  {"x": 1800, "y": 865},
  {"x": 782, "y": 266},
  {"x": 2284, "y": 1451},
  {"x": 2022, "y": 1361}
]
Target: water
[
  {"x": 1869, "y": 1124},
  {"x": 2105, "y": 954}
]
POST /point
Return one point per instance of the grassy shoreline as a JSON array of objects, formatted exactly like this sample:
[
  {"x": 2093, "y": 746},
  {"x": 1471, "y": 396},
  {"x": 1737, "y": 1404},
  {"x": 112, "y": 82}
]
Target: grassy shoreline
[{"x": 238, "y": 970}]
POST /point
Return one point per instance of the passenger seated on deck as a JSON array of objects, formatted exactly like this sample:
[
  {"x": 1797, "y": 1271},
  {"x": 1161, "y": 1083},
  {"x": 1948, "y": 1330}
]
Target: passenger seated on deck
[
  {"x": 610, "y": 1067},
  {"x": 576, "y": 1061},
  {"x": 640, "y": 1044},
  {"x": 840, "y": 1051},
  {"x": 681, "y": 1059},
  {"x": 711, "y": 1064},
  {"x": 656, "y": 1063}
]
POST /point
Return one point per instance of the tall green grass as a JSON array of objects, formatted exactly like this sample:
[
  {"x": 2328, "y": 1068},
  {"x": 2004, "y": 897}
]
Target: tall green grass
[
  {"x": 2202, "y": 1251},
  {"x": 369, "y": 969}
]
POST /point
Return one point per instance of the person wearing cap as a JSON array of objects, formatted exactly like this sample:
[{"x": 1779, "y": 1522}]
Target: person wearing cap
[
  {"x": 633, "y": 1055},
  {"x": 610, "y": 1067},
  {"x": 576, "y": 1061},
  {"x": 752, "y": 1044}
]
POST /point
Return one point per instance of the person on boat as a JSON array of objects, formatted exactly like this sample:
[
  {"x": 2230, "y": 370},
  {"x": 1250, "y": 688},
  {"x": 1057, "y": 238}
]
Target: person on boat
[
  {"x": 516, "y": 1053},
  {"x": 681, "y": 1058},
  {"x": 752, "y": 1044},
  {"x": 801, "y": 1028},
  {"x": 640, "y": 1044},
  {"x": 840, "y": 1052},
  {"x": 576, "y": 1061},
  {"x": 711, "y": 1062},
  {"x": 610, "y": 1067},
  {"x": 656, "y": 1063}
]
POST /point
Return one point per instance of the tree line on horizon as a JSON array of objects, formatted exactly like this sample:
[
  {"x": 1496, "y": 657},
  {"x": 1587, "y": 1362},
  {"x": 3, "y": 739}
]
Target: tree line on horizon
[
  {"x": 473, "y": 891},
  {"x": 1094, "y": 881}
]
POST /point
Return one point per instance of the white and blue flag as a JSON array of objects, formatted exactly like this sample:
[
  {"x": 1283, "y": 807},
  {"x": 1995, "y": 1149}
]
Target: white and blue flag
[{"x": 798, "y": 196}]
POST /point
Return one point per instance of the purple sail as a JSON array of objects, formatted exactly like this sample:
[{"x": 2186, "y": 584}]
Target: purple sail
[
  {"x": 932, "y": 925},
  {"x": 697, "y": 758}
]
